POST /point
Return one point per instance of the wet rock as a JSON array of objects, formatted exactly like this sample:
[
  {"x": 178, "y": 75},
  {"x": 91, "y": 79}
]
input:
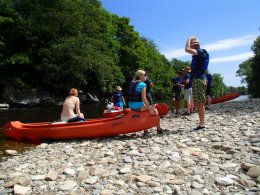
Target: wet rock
[{"x": 11, "y": 152}]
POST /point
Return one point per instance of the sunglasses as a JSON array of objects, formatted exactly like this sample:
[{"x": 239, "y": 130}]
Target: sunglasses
[{"x": 144, "y": 74}]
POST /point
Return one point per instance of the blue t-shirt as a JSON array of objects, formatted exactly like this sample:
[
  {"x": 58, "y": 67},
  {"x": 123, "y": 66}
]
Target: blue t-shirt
[
  {"x": 117, "y": 96},
  {"x": 187, "y": 86},
  {"x": 148, "y": 83},
  {"x": 199, "y": 64},
  {"x": 137, "y": 105},
  {"x": 209, "y": 78},
  {"x": 176, "y": 80}
]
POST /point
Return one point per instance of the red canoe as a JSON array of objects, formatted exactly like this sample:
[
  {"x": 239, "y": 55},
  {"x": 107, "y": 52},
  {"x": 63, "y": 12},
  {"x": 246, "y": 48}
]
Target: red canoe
[
  {"x": 224, "y": 98},
  {"x": 103, "y": 127},
  {"x": 162, "y": 108}
]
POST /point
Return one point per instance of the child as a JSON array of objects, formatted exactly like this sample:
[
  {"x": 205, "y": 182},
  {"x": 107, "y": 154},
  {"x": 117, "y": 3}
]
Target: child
[{"x": 118, "y": 98}]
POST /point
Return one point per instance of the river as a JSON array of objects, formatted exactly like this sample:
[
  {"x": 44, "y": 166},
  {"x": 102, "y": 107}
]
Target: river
[
  {"x": 28, "y": 115},
  {"x": 43, "y": 114}
]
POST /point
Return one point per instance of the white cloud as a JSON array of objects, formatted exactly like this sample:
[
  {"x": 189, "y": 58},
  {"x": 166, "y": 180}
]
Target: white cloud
[
  {"x": 216, "y": 46},
  {"x": 238, "y": 57},
  {"x": 174, "y": 53},
  {"x": 230, "y": 43}
]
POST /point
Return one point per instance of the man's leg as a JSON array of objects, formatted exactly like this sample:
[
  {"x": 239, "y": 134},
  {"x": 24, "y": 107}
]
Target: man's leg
[
  {"x": 201, "y": 109},
  {"x": 172, "y": 104},
  {"x": 209, "y": 101},
  {"x": 177, "y": 103},
  {"x": 199, "y": 96}
]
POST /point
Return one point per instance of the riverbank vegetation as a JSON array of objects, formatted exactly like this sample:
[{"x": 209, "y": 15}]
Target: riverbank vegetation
[
  {"x": 249, "y": 70},
  {"x": 59, "y": 44}
]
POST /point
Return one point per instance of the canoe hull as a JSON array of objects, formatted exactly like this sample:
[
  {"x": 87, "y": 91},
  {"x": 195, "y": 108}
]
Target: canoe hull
[
  {"x": 104, "y": 127},
  {"x": 162, "y": 108},
  {"x": 225, "y": 98}
]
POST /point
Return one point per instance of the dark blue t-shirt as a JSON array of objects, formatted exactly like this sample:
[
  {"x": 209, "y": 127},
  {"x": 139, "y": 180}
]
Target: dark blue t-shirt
[
  {"x": 117, "y": 96},
  {"x": 209, "y": 78},
  {"x": 187, "y": 86},
  {"x": 199, "y": 64},
  {"x": 148, "y": 83},
  {"x": 176, "y": 80}
]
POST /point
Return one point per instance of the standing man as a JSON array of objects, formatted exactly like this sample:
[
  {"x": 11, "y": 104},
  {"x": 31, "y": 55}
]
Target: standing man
[
  {"x": 176, "y": 93},
  {"x": 149, "y": 85},
  {"x": 199, "y": 64},
  {"x": 208, "y": 90},
  {"x": 187, "y": 90}
]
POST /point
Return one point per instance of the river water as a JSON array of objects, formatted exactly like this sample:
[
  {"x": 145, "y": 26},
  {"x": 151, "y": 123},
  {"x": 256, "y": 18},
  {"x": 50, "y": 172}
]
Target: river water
[
  {"x": 46, "y": 114},
  {"x": 38, "y": 114}
]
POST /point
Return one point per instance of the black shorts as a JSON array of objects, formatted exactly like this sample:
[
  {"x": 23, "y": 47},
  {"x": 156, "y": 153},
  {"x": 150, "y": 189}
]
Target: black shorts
[
  {"x": 208, "y": 90},
  {"x": 176, "y": 95}
]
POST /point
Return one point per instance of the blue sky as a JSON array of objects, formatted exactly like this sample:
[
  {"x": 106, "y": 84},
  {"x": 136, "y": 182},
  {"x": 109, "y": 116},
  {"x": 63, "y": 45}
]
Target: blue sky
[{"x": 226, "y": 28}]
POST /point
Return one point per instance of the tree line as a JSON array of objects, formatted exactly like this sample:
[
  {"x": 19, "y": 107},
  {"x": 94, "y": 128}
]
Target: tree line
[
  {"x": 249, "y": 70},
  {"x": 59, "y": 44}
]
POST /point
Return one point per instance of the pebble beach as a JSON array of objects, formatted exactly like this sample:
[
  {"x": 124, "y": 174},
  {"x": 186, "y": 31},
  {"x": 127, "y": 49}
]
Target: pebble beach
[{"x": 222, "y": 159}]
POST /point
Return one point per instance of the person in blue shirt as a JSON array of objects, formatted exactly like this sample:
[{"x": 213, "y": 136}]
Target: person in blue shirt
[
  {"x": 149, "y": 85},
  {"x": 137, "y": 96},
  {"x": 199, "y": 64},
  {"x": 118, "y": 98},
  {"x": 187, "y": 90},
  {"x": 177, "y": 84},
  {"x": 208, "y": 90}
]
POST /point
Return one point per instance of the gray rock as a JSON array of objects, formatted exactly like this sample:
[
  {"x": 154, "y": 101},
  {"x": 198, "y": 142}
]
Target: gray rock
[
  {"x": 51, "y": 176},
  {"x": 21, "y": 190},
  {"x": 68, "y": 185},
  {"x": 254, "y": 171}
]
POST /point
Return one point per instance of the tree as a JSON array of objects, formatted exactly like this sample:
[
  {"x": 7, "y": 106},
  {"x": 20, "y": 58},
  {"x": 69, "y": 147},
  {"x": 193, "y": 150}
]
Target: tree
[
  {"x": 178, "y": 65},
  {"x": 159, "y": 69},
  {"x": 58, "y": 44},
  {"x": 218, "y": 87},
  {"x": 132, "y": 52},
  {"x": 254, "y": 87},
  {"x": 245, "y": 71},
  {"x": 242, "y": 90},
  {"x": 249, "y": 70}
]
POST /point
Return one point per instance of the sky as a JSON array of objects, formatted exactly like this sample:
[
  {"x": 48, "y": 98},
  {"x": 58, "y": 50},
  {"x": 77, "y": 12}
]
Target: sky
[{"x": 225, "y": 28}]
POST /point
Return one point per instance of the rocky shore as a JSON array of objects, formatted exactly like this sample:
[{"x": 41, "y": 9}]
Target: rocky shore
[{"x": 222, "y": 159}]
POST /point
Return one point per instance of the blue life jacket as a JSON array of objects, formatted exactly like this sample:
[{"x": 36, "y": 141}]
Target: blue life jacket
[{"x": 133, "y": 94}]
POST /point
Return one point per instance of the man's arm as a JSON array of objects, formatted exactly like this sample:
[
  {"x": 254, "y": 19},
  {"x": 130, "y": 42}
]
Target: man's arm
[
  {"x": 188, "y": 48},
  {"x": 186, "y": 81}
]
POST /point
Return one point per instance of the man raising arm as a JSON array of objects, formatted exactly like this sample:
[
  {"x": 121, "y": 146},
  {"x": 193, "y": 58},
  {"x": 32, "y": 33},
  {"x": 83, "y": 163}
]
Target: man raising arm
[{"x": 199, "y": 64}]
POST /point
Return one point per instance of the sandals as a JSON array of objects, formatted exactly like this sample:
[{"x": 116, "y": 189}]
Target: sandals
[
  {"x": 159, "y": 131},
  {"x": 199, "y": 128}
]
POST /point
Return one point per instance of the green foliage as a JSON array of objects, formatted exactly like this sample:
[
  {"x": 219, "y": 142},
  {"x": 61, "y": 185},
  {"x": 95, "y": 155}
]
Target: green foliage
[
  {"x": 242, "y": 90},
  {"x": 249, "y": 70},
  {"x": 245, "y": 71},
  {"x": 218, "y": 86},
  {"x": 159, "y": 69},
  {"x": 59, "y": 44},
  {"x": 178, "y": 65}
]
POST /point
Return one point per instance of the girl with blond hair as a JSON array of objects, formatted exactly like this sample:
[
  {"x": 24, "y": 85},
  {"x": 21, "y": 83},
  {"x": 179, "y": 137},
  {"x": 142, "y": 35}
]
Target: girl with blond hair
[{"x": 137, "y": 96}]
